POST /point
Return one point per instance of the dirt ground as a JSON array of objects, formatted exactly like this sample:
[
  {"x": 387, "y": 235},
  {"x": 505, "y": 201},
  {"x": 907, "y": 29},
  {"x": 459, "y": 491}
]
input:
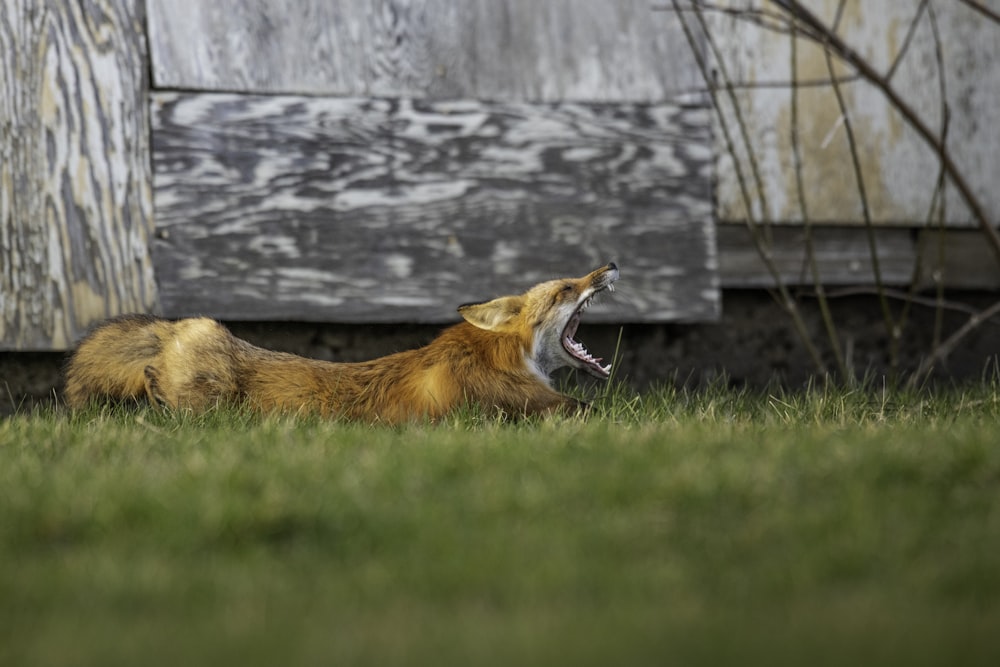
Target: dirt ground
[{"x": 752, "y": 345}]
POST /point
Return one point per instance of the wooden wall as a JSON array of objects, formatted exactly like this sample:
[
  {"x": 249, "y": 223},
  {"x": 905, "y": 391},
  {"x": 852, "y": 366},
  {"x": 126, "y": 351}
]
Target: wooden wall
[
  {"x": 390, "y": 160},
  {"x": 900, "y": 170},
  {"x": 376, "y": 210},
  {"x": 918, "y": 242},
  {"x": 385, "y": 160},
  {"x": 510, "y": 50},
  {"x": 75, "y": 195}
]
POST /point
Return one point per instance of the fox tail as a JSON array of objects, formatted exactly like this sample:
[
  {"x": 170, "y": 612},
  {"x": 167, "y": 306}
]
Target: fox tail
[{"x": 111, "y": 362}]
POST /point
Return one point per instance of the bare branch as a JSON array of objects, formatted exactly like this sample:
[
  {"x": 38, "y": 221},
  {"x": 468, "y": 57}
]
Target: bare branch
[
  {"x": 906, "y": 41},
  {"x": 892, "y": 331},
  {"x": 942, "y": 351},
  {"x": 838, "y": 15},
  {"x": 985, "y": 11},
  {"x": 738, "y": 114},
  {"x": 824, "y": 307},
  {"x": 776, "y": 22},
  {"x": 786, "y": 300},
  {"x": 940, "y": 190},
  {"x": 832, "y": 42},
  {"x": 795, "y": 20},
  {"x": 901, "y": 295},
  {"x": 782, "y": 85}
]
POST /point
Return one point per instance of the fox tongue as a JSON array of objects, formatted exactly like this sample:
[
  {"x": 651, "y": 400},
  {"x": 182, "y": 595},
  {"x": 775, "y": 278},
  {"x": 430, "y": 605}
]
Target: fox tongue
[{"x": 572, "y": 326}]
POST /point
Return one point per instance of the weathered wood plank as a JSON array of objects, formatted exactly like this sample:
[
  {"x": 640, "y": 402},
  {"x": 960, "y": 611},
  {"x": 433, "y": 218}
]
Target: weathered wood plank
[
  {"x": 345, "y": 209},
  {"x": 960, "y": 259},
  {"x": 419, "y": 49},
  {"x": 899, "y": 169},
  {"x": 75, "y": 200},
  {"x": 517, "y": 50},
  {"x": 590, "y": 50},
  {"x": 842, "y": 255},
  {"x": 312, "y": 46}
]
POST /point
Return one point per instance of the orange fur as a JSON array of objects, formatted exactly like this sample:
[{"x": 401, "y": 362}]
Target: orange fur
[{"x": 500, "y": 358}]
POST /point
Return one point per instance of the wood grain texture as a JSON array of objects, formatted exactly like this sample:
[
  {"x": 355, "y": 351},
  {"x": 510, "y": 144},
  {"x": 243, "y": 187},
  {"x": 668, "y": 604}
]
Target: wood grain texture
[
  {"x": 601, "y": 50},
  {"x": 75, "y": 199},
  {"x": 516, "y": 50},
  {"x": 372, "y": 210},
  {"x": 236, "y": 45}
]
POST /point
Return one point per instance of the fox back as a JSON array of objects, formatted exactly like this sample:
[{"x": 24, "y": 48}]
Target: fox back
[{"x": 500, "y": 358}]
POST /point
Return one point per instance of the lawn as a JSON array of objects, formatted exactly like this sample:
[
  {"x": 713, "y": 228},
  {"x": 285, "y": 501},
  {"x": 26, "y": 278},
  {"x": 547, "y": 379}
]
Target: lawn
[{"x": 715, "y": 527}]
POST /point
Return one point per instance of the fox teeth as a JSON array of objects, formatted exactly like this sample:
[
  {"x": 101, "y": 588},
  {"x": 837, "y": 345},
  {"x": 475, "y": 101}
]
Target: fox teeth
[{"x": 581, "y": 351}]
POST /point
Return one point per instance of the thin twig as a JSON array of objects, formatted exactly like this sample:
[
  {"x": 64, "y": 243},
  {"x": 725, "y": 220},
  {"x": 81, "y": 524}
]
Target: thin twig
[
  {"x": 985, "y": 11},
  {"x": 831, "y": 42},
  {"x": 782, "y": 85},
  {"x": 738, "y": 115},
  {"x": 772, "y": 21},
  {"x": 786, "y": 300},
  {"x": 839, "y": 14},
  {"x": 942, "y": 351},
  {"x": 941, "y": 189},
  {"x": 906, "y": 41},
  {"x": 891, "y": 330},
  {"x": 900, "y": 295},
  {"x": 824, "y": 307}
]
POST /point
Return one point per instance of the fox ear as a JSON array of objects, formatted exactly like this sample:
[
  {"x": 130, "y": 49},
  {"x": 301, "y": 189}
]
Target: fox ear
[{"x": 492, "y": 315}]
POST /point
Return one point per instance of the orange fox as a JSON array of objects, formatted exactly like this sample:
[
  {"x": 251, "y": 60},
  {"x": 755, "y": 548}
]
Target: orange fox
[{"x": 499, "y": 358}]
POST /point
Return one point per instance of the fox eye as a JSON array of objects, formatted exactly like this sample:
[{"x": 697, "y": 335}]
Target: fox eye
[{"x": 563, "y": 293}]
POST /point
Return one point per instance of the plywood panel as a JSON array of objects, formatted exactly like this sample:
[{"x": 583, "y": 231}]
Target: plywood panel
[
  {"x": 519, "y": 50},
  {"x": 315, "y": 46},
  {"x": 75, "y": 200},
  {"x": 356, "y": 209}
]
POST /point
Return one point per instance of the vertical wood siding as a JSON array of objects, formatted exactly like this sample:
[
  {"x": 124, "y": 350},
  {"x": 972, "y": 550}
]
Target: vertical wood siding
[{"x": 75, "y": 198}]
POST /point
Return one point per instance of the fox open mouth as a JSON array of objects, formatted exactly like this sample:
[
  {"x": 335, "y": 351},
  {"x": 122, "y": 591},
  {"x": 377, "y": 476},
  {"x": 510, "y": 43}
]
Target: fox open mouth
[{"x": 576, "y": 349}]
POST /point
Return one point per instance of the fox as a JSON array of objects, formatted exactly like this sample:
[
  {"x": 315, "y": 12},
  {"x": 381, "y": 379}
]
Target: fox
[{"x": 500, "y": 357}]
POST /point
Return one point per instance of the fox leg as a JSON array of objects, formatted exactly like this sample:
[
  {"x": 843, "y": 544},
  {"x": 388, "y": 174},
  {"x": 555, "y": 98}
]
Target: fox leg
[{"x": 544, "y": 401}]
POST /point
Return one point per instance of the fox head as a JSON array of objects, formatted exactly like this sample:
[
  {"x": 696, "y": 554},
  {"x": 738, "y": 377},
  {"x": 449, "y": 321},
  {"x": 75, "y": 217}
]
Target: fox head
[{"x": 546, "y": 318}]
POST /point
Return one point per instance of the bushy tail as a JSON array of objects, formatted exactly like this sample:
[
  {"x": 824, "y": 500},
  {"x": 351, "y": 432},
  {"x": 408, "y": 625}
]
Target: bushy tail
[{"x": 110, "y": 362}]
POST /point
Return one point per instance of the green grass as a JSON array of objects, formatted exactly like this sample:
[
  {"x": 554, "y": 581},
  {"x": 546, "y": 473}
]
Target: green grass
[{"x": 823, "y": 527}]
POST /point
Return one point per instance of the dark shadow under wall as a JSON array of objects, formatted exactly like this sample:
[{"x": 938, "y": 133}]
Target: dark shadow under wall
[{"x": 753, "y": 345}]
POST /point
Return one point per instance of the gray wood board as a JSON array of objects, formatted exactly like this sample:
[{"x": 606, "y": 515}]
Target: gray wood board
[
  {"x": 520, "y": 50},
  {"x": 369, "y": 210},
  {"x": 75, "y": 198},
  {"x": 960, "y": 259},
  {"x": 842, "y": 255}
]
